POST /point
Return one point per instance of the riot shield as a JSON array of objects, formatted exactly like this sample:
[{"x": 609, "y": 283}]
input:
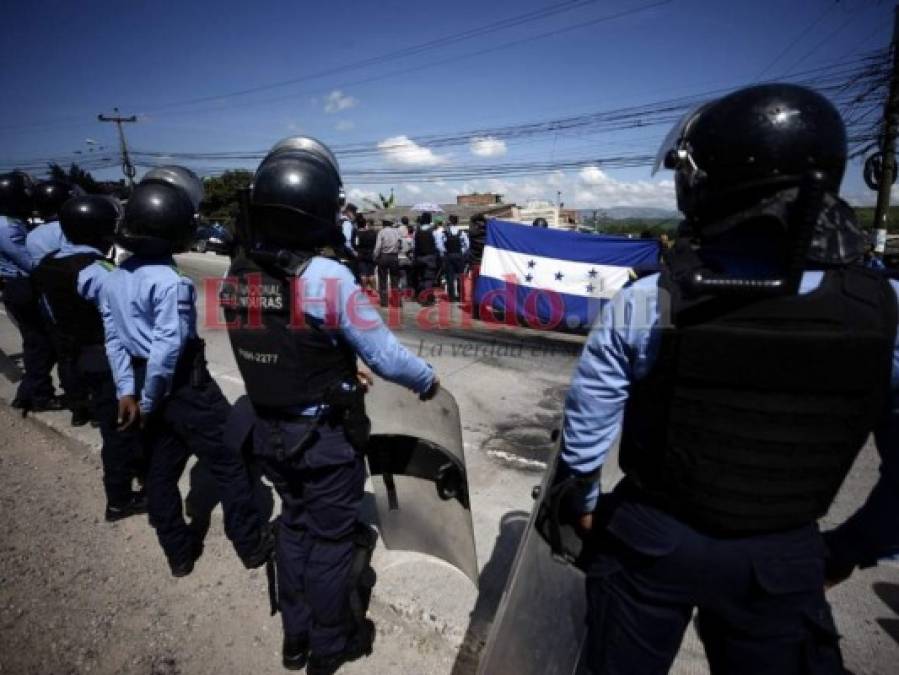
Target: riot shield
[
  {"x": 540, "y": 624},
  {"x": 417, "y": 464}
]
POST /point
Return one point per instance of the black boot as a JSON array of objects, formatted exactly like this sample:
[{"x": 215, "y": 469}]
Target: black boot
[
  {"x": 263, "y": 550},
  {"x": 80, "y": 416},
  {"x": 136, "y": 506},
  {"x": 358, "y": 645},
  {"x": 51, "y": 404},
  {"x": 295, "y": 652},
  {"x": 182, "y": 568}
]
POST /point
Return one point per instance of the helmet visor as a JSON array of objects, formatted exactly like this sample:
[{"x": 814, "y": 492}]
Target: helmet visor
[{"x": 674, "y": 140}]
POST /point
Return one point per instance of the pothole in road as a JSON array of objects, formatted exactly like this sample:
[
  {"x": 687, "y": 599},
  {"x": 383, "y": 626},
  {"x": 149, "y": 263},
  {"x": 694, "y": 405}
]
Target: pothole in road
[{"x": 527, "y": 441}]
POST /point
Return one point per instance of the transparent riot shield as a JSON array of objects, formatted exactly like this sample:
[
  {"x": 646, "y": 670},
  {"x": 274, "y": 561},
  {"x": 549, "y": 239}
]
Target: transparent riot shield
[
  {"x": 417, "y": 464},
  {"x": 540, "y": 624}
]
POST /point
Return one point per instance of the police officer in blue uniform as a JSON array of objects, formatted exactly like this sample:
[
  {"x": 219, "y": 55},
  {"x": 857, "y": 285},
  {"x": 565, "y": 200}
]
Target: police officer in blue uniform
[
  {"x": 70, "y": 280},
  {"x": 36, "y": 391},
  {"x": 44, "y": 240},
  {"x": 297, "y": 323},
  {"x": 49, "y": 196},
  {"x": 452, "y": 246},
  {"x": 425, "y": 253},
  {"x": 744, "y": 379},
  {"x": 162, "y": 384}
]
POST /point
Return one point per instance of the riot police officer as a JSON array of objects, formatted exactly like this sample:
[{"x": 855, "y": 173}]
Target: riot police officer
[
  {"x": 36, "y": 390},
  {"x": 162, "y": 383},
  {"x": 44, "y": 240},
  {"x": 452, "y": 244},
  {"x": 425, "y": 253},
  {"x": 297, "y": 323},
  {"x": 70, "y": 280},
  {"x": 49, "y": 196},
  {"x": 742, "y": 408}
]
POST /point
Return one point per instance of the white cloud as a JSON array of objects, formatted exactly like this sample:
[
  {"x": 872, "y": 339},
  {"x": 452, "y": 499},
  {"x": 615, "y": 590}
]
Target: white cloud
[
  {"x": 587, "y": 188},
  {"x": 345, "y": 125},
  {"x": 403, "y": 151},
  {"x": 596, "y": 188},
  {"x": 487, "y": 146},
  {"x": 337, "y": 101},
  {"x": 593, "y": 175},
  {"x": 357, "y": 195}
]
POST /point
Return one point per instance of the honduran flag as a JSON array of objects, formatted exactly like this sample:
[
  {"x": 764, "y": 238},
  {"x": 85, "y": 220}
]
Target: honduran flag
[{"x": 554, "y": 279}]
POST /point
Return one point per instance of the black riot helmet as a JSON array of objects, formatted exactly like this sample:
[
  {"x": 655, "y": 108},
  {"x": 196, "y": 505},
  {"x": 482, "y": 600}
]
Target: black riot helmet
[
  {"x": 50, "y": 195},
  {"x": 16, "y": 195},
  {"x": 314, "y": 147},
  {"x": 181, "y": 177},
  {"x": 295, "y": 201},
  {"x": 91, "y": 220},
  {"x": 750, "y": 144},
  {"x": 159, "y": 220}
]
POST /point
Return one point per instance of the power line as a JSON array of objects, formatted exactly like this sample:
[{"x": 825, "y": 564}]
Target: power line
[
  {"x": 808, "y": 29},
  {"x": 478, "y": 31},
  {"x": 423, "y": 66}
]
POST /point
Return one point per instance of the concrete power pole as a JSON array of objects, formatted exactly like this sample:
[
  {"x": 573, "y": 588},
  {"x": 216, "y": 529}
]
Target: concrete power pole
[
  {"x": 127, "y": 167},
  {"x": 888, "y": 145}
]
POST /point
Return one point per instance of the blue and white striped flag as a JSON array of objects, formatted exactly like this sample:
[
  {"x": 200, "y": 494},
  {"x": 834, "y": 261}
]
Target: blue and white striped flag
[{"x": 553, "y": 278}]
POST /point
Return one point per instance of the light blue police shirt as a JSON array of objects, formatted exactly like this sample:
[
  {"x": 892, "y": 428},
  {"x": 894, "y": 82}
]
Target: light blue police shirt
[
  {"x": 44, "y": 239},
  {"x": 14, "y": 258},
  {"x": 149, "y": 312}
]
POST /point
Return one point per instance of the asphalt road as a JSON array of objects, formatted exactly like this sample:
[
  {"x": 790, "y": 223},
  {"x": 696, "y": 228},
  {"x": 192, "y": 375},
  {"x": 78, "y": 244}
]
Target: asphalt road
[{"x": 510, "y": 387}]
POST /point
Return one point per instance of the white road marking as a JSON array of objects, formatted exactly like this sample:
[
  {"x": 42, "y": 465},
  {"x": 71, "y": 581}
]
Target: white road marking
[{"x": 515, "y": 459}]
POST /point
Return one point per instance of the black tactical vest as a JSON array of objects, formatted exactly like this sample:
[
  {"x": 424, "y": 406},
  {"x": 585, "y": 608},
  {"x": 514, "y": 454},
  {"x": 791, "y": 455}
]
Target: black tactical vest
[
  {"x": 285, "y": 361},
  {"x": 453, "y": 242},
  {"x": 77, "y": 319},
  {"x": 366, "y": 240},
  {"x": 424, "y": 243},
  {"x": 754, "y": 411}
]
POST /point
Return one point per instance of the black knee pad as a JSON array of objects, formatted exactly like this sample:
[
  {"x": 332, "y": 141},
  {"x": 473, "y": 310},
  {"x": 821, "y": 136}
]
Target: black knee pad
[{"x": 362, "y": 575}]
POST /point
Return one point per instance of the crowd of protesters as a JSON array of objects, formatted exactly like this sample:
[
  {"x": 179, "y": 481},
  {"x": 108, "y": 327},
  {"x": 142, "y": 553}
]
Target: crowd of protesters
[{"x": 428, "y": 260}]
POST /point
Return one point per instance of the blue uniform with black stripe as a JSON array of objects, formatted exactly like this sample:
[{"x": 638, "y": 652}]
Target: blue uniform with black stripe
[{"x": 149, "y": 318}]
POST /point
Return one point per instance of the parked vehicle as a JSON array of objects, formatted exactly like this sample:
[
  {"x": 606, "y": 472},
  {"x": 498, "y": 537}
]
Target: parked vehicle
[{"x": 214, "y": 237}]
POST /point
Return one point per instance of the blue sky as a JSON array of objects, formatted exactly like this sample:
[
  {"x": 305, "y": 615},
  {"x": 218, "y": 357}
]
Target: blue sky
[{"x": 64, "y": 62}]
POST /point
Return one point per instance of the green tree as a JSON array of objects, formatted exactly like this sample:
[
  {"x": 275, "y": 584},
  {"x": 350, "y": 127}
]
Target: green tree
[
  {"x": 77, "y": 176},
  {"x": 222, "y": 200},
  {"x": 382, "y": 202}
]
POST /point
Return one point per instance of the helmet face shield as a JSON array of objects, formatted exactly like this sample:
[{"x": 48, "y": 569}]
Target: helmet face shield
[{"x": 673, "y": 151}]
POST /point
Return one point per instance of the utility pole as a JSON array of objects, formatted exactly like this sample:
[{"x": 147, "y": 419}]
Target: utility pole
[
  {"x": 127, "y": 167},
  {"x": 888, "y": 145}
]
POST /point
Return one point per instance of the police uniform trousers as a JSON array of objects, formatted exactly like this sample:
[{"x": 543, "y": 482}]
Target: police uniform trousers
[
  {"x": 190, "y": 420},
  {"x": 321, "y": 491},
  {"x": 425, "y": 272},
  {"x": 388, "y": 271},
  {"x": 39, "y": 355},
  {"x": 760, "y": 599},
  {"x": 73, "y": 385},
  {"x": 454, "y": 264},
  {"x": 122, "y": 454}
]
